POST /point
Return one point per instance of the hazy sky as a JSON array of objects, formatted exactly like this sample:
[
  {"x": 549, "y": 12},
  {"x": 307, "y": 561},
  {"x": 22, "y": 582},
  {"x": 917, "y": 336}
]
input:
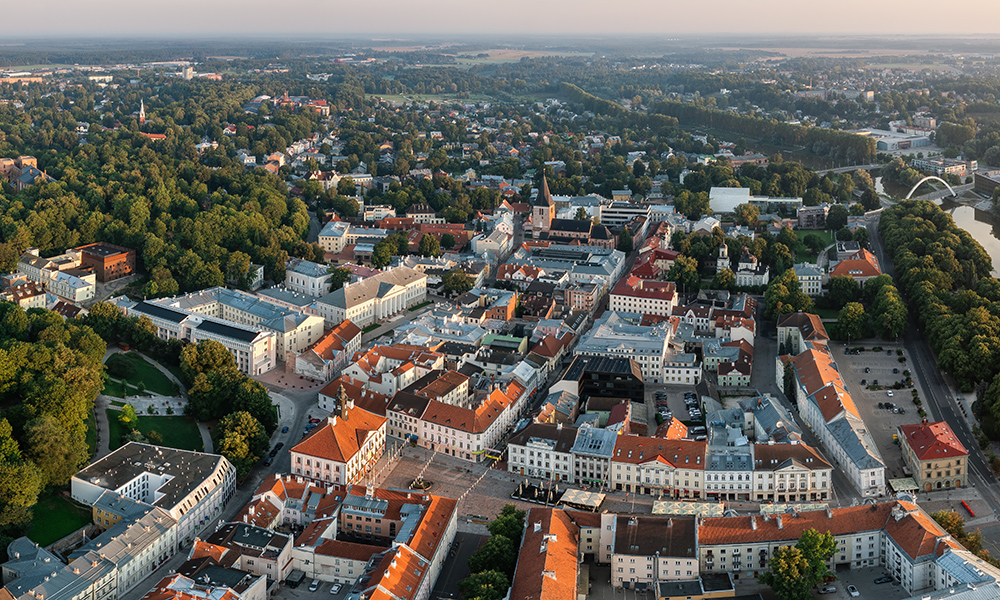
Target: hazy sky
[{"x": 416, "y": 17}]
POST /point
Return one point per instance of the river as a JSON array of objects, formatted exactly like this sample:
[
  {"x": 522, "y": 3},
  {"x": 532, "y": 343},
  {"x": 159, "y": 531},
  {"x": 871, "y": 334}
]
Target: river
[{"x": 982, "y": 225}]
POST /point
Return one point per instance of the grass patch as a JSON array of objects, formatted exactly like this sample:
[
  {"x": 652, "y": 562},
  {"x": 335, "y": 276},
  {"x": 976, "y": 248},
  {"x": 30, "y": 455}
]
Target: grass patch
[
  {"x": 827, "y": 313},
  {"x": 56, "y": 517},
  {"x": 177, "y": 431},
  {"x": 421, "y": 305},
  {"x": 92, "y": 434},
  {"x": 371, "y": 327},
  {"x": 175, "y": 370},
  {"x": 145, "y": 373}
]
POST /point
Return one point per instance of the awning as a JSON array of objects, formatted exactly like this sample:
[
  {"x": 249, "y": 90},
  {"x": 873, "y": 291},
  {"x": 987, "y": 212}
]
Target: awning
[
  {"x": 678, "y": 509},
  {"x": 904, "y": 484},
  {"x": 582, "y": 499}
]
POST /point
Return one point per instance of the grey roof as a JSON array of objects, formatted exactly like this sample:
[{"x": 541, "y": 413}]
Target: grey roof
[
  {"x": 271, "y": 316},
  {"x": 595, "y": 442},
  {"x": 856, "y": 442},
  {"x": 162, "y": 312},
  {"x": 128, "y": 538},
  {"x": 618, "y": 331},
  {"x": 229, "y": 331},
  {"x": 373, "y": 287},
  {"x": 730, "y": 459},
  {"x": 960, "y": 568},
  {"x": 187, "y": 470},
  {"x": 307, "y": 268},
  {"x": 807, "y": 270}
]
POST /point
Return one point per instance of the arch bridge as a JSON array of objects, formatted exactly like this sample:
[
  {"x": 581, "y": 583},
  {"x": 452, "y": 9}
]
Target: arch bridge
[{"x": 928, "y": 178}]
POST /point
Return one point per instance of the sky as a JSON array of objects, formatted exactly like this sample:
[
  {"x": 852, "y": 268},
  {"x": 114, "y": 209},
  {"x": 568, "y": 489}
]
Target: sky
[{"x": 413, "y": 18}]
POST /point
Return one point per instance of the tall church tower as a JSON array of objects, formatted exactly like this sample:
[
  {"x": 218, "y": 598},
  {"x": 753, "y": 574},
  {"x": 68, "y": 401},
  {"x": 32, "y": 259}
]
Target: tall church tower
[
  {"x": 544, "y": 209},
  {"x": 142, "y": 112},
  {"x": 722, "y": 262}
]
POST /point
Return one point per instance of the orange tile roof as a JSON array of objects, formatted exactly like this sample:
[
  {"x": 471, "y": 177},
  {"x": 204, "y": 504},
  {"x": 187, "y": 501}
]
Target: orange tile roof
[
  {"x": 202, "y": 548},
  {"x": 348, "y": 550},
  {"x": 433, "y": 524},
  {"x": 914, "y": 531},
  {"x": 636, "y": 287},
  {"x": 681, "y": 454},
  {"x": 341, "y": 437},
  {"x": 335, "y": 340},
  {"x": 933, "y": 440},
  {"x": 398, "y": 575},
  {"x": 862, "y": 264},
  {"x": 671, "y": 430},
  {"x": 369, "y": 400},
  {"x": 547, "y": 564},
  {"x": 809, "y": 324}
]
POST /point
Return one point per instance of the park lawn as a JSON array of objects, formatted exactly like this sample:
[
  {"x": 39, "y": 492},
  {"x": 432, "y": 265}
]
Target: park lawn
[
  {"x": 146, "y": 373},
  {"x": 55, "y": 517},
  {"x": 92, "y": 434},
  {"x": 177, "y": 431},
  {"x": 827, "y": 313},
  {"x": 176, "y": 370}
]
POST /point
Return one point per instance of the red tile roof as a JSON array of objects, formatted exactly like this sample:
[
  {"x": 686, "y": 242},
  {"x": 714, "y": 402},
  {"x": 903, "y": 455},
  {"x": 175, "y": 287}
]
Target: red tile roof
[
  {"x": 862, "y": 264},
  {"x": 931, "y": 441},
  {"x": 636, "y": 287},
  {"x": 342, "y": 437},
  {"x": 547, "y": 564},
  {"x": 681, "y": 454}
]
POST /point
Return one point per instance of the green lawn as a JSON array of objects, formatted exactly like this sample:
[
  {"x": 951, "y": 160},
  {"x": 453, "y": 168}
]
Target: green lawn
[
  {"x": 148, "y": 375},
  {"x": 91, "y": 433},
  {"x": 371, "y": 327},
  {"x": 827, "y": 313},
  {"x": 177, "y": 431},
  {"x": 55, "y": 518},
  {"x": 421, "y": 305}
]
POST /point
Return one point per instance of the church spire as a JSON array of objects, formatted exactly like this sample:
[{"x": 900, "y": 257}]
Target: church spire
[
  {"x": 142, "y": 112},
  {"x": 340, "y": 406},
  {"x": 544, "y": 197}
]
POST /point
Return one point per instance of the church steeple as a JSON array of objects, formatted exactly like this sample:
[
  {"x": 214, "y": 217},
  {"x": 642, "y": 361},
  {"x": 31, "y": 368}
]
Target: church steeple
[
  {"x": 341, "y": 404},
  {"x": 544, "y": 197},
  {"x": 142, "y": 112}
]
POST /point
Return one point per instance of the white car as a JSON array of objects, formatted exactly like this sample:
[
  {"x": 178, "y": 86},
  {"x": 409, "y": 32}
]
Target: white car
[
  {"x": 828, "y": 590},
  {"x": 336, "y": 588},
  {"x": 888, "y": 393},
  {"x": 314, "y": 585},
  {"x": 853, "y": 591}
]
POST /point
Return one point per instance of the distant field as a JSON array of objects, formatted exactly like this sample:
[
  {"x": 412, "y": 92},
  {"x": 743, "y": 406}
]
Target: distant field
[
  {"x": 38, "y": 67},
  {"x": 509, "y": 55}
]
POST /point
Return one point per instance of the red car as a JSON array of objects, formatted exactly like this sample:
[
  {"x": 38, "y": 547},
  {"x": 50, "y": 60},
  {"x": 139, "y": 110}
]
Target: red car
[{"x": 314, "y": 420}]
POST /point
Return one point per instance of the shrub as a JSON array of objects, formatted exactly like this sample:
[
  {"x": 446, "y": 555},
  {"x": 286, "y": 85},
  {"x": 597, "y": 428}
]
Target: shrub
[
  {"x": 170, "y": 410},
  {"x": 150, "y": 410},
  {"x": 922, "y": 413},
  {"x": 120, "y": 367}
]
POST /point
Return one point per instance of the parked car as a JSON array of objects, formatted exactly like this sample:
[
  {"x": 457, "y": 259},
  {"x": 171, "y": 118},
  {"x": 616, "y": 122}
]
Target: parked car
[
  {"x": 882, "y": 580},
  {"x": 864, "y": 382},
  {"x": 894, "y": 370},
  {"x": 284, "y": 429},
  {"x": 314, "y": 585},
  {"x": 273, "y": 452},
  {"x": 279, "y": 445},
  {"x": 888, "y": 393},
  {"x": 268, "y": 462},
  {"x": 881, "y": 405},
  {"x": 828, "y": 590},
  {"x": 336, "y": 588},
  {"x": 853, "y": 591},
  {"x": 868, "y": 369}
]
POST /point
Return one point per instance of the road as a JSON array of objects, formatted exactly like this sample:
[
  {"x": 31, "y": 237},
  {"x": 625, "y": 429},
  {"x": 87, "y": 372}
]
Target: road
[
  {"x": 940, "y": 194},
  {"x": 849, "y": 169},
  {"x": 941, "y": 397}
]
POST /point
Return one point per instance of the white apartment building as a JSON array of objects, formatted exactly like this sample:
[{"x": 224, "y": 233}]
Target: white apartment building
[
  {"x": 810, "y": 279},
  {"x": 543, "y": 450},
  {"x": 306, "y": 277}
]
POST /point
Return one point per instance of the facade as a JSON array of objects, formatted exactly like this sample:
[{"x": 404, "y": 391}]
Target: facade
[
  {"x": 592, "y": 452},
  {"x": 108, "y": 261},
  {"x": 810, "y": 279},
  {"x": 329, "y": 355},
  {"x": 375, "y": 298},
  {"x": 934, "y": 455},
  {"x": 345, "y": 448},
  {"x": 660, "y": 467},
  {"x": 294, "y": 329},
  {"x": 333, "y": 236},
  {"x": 813, "y": 217},
  {"x": 635, "y": 295},
  {"x": 650, "y": 550},
  {"x": 191, "y": 487},
  {"x": 26, "y": 295},
  {"x": 542, "y": 450},
  {"x": 254, "y": 350},
  {"x": 306, "y": 277},
  {"x": 790, "y": 473},
  {"x": 247, "y": 547}
]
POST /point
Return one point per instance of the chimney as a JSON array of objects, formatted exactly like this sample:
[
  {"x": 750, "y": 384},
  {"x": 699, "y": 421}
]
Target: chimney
[
  {"x": 780, "y": 524},
  {"x": 829, "y": 513},
  {"x": 753, "y": 522}
]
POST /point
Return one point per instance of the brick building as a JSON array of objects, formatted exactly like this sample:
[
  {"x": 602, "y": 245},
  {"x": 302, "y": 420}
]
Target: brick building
[{"x": 108, "y": 261}]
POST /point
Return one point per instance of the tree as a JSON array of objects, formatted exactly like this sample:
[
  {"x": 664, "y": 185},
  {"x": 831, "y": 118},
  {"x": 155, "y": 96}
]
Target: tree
[
  {"x": 241, "y": 439},
  {"x": 638, "y": 168},
  {"x": 794, "y": 570},
  {"x": 203, "y": 357},
  {"x": 890, "y": 313},
  {"x": 339, "y": 277},
  {"x": 685, "y": 274},
  {"x": 836, "y": 218},
  {"x": 843, "y": 289},
  {"x": 784, "y": 295},
  {"x": 128, "y": 418},
  {"x": 747, "y": 214},
  {"x": 861, "y": 236},
  {"x": 487, "y": 585},
  {"x": 509, "y": 523},
  {"x": 429, "y": 246},
  {"x": 625, "y": 241},
  {"x": 51, "y": 447},
  {"x": 852, "y": 321},
  {"x": 724, "y": 280},
  {"x": 381, "y": 255},
  {"x": 447, "y": 241},
  {"x": 844, "y": 235},
  {"x": 498, "y": 553},
  {"x": 346, "y": 187},
  {"x": 457, "y": 281},
  {"x": 581, "y": 214}
]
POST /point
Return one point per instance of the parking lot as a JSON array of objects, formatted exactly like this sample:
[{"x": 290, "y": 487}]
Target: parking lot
[
  {"x": 674, "y": 396},
  {"x": 864, "y": 580},
  {"x": 882, "y": 423}
]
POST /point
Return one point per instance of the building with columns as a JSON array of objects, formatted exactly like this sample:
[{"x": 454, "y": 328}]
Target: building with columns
[{"x": 375, "y": 298}]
